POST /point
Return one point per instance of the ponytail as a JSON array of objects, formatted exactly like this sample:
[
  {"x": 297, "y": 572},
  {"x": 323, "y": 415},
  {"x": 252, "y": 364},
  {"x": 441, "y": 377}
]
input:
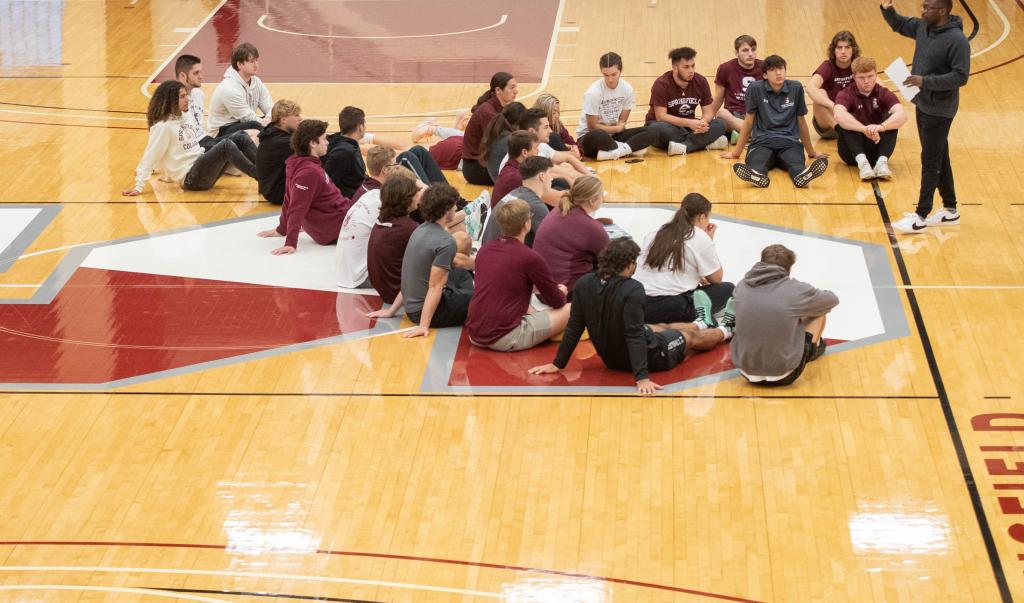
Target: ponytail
[{"x": 585, "y": 189}]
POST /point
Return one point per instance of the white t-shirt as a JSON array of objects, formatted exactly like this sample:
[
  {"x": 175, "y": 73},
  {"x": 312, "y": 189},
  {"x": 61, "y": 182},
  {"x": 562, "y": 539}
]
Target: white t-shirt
[
  {"x": 196, "y": 116},
  {"x": 543, "y": 150},
  {"x": 606, "y": 103},
  {"x": 354, "y": 238},
  {"x": 699, "y": 260}
]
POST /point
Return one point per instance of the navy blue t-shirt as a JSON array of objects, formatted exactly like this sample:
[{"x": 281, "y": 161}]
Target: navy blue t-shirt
[{"x": 775, "y": 113}]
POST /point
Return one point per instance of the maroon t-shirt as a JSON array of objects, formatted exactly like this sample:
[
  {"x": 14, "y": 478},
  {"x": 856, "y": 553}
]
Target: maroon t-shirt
[
  {"x": 735, "y": 79},
  {"x": 481, "y": 118},
  {"x": 870, "y": 109},
  {"x": 835, "y": 78},
  {"x": 504, "y": 277},
  {"x": 508, "y": 180},
  {"x": 680, "y": 102},
  {"x": 370, "y": 184},
  {"x": 448, "y": 152},
  {"x": 384, "y": 254},
  {"x": 570, "y": 244}
]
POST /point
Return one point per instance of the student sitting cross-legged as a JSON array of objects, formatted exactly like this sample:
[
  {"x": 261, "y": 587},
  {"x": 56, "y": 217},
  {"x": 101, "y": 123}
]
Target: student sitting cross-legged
[
  {"x": 174, "y": 147},
  {"x": 311, "y": 201},
  {"x": 434, "y": 293},
  {"x": 535, "y": 173},
  {"x": 609, "y": 304},
  {"x": 507, "y": 271},
  {"x": 390, "y": 234},
  {"x": 569, "y": 239}
]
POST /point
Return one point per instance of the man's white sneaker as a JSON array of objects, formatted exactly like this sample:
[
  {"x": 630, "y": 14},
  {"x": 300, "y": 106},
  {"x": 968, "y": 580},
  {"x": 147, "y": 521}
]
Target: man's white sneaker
[
  {"x": 609, "y": 155},
  {"x": 882, "y": 170},
  {"x": 943, "y": 217},
  {"x": 720, "y": 143},
  {"x": 911, "y": 223},
  {"x": 676, "y": 148},
  {"x": 866, "y": 173}
]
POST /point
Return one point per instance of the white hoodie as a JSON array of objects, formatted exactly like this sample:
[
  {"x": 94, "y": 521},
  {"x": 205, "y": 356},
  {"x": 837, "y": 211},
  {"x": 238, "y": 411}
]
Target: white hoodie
[
  {"x": 173, "y": 147},
  {"x": 234, "y": 100}
]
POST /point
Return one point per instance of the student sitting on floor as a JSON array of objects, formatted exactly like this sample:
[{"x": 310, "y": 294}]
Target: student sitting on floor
[
  {"x": 679, "y": 259},
  {"x": 507, "y": 271},
  {"x": 675, "y": 97},
  {"x": 344, "y": 160},
  {"x": 434, "y": 293},
  {"x": 868, "y": 117},
  {"x": 602, "y": 131},
  {"x": 731, "y": 82},
  {"x": 566, "y": 167},
  {"x": 830, "y": 78},
  {"x": 502, "y": 91},
  {"x": 235, "y": 102},
  {"x": 560, "y": 139},
  {"x": 174, "y": 148},
  {"x": 448, "y": 151},
  {"x": 779, "y": 320},
  {"x": 521, "y": 144},
  {"x": 353, "y": 240},
  {"x": 275, "y": 148},
  {"x": 494, "y": 144},
  {"x": 390, "y": 234},
  {"x": 536, "y": 177},
  {"x": 610, "y": 306},
  {"x": 311, "y": 201},
  {"x": 569, "y": 238}
]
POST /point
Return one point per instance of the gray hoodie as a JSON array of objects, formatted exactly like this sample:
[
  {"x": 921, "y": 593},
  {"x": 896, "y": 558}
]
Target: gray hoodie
[
  {"x": 234, "y": 100},
  {"x": 771, "y": 311},
  {"x": 942, "y": 56}
]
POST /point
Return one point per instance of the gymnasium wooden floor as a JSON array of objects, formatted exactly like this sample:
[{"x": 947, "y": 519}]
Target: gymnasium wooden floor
[{"x": 177, "y": 435}]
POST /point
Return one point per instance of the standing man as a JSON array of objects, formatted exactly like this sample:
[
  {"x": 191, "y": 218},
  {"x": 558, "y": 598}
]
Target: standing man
[
  {"x": 776, "y": 126},
  {"x": 942, "y": 64},
  {"x": 675, "y": 97}
]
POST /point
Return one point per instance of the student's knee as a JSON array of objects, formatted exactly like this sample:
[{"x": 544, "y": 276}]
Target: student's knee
[
  {"x": 463, "y": 242},
  {"x": 815, "y": 327}
]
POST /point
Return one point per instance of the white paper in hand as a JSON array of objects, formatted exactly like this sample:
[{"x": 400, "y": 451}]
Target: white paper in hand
[{"x": 898, "y": 73}]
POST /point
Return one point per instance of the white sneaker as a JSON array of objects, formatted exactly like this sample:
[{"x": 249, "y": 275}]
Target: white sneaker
[
  {"x": 639, "y": 153},
  {"x": 911, "y": 223},
  {"x": 676, "y": 148},
  {"x": 943, "y": 217},
  {"x": 866, "y": 173},
  {"x": 882, "y": 170},
  {"x": 720, "y": 143},
  {"x": 609, "y": 155}
]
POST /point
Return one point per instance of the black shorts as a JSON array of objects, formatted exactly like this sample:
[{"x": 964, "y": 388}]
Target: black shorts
[
  {"x": 811, "y": 352},
  {"x": 665, "y": 350}
]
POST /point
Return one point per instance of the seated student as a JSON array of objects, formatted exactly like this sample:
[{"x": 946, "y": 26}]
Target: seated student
[
  {"x": 507, "y": 271},
  {"x": 675, "y": 96},
  {"x": 494, "y": 144},
  {"x": 448, "y": 152},
  {"x": 775, "y": 117},
  {"x": 311, "y": 201},
  {"x": 867, "y": 117},
  {"x": 680, "y": 259},
  {"x": 354, "y": 238},
  {"x": 378, "y": 160},
  {"x": 174, "y": 148},
  {"x": 502, "y": 91},
  {"x": 560, "y": 139},
  {"x": 428, "y": 128},
  {"x": 520, "y": 146},
  {"x": 275, "y": 148},
  {"x": 831, "y": 77},
  {"x": 731, "y": 81},
  {"x": 610, "y": 306},
  {"x": 390, "y": 235},
  {"x": 240, "y": 95},
  {"x": 536, "y": 175},
  {"x": 568, "y": 238},
  {"x": 602, "y": 131},
  {"x": 188, "y": 70},
  {"x": 566, "y": 166},
  {"x": 434, "y": 293},
  {"x": 779, "y": 320}
]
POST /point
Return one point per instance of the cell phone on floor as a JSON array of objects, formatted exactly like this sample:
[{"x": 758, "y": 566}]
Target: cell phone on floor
[{"x": 634, "y": 160}]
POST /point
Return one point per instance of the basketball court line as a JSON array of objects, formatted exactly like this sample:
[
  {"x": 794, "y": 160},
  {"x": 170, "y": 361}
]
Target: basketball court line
[
  {"x": 944, "y": 403},
  {"x": 28, "y": 234},
  {"x": 166, "y": 594},
  {"x": 267, "y": 595},
  {"x": 450, "y": 395},
  {"x": 262, "y": 23},
  {"x": 144, "y": 88}
]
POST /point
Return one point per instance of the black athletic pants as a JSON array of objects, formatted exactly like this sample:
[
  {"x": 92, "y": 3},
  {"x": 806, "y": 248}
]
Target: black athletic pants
[
  {"x": 679, "y": 308},
  {"x": 852, "y": 144},
  {"x": 476, "y": 173},
  {"x": 936, "y": 171},
  {"x": 593, "y": 141},
  {"x": 421, "y": 162},
  {"x": 777, "y": 152}
]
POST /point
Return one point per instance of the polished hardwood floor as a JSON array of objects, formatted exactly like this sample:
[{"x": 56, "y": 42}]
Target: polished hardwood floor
[{"x": 178, "y": 432}]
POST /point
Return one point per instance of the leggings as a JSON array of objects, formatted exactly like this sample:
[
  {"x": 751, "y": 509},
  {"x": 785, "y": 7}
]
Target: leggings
[
  {"x": 593, "y": 141},
  {"x": 235, "y": 149}
]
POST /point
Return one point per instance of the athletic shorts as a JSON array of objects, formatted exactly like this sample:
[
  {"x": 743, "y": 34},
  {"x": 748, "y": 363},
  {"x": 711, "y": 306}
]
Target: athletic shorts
[
  {"x": 533, "y": 329},
  {"x": 811, "y": 352},
  {"x": 665, "y": 350}
]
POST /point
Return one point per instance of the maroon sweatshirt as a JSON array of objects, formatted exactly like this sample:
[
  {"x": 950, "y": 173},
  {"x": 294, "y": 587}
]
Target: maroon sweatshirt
[
  {"x": 505, "y": 275},
  {"x": 481, "y": 118},
  {"x": 311, "y": 202}
]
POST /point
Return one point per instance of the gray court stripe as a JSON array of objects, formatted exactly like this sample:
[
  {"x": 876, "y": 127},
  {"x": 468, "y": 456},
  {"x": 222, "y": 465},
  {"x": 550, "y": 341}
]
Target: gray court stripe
[{"x": 35, "y": 227}]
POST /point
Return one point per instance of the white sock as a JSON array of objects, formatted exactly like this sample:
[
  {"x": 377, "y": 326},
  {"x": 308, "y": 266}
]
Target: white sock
[
  {"x": 700, "y": 324},
  {"x": 726, "y": 331}
]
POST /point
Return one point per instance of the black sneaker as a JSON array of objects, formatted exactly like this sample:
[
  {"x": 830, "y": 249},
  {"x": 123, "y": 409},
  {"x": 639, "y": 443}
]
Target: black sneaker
[
  {"x": 754, "y": 177},
  {"x": 816, "y": 169}
]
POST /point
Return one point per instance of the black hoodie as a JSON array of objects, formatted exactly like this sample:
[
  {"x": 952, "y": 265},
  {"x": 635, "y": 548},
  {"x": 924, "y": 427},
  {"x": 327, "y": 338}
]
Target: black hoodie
[
  {"x": 942, "y": 57},
  {"x": 344, "y": 163},
  {"x": 275, "y": 148}
]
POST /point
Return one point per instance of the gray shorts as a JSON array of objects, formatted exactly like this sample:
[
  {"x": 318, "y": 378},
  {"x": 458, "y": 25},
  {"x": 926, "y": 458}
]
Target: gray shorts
[{"x": 533, "y": 329}]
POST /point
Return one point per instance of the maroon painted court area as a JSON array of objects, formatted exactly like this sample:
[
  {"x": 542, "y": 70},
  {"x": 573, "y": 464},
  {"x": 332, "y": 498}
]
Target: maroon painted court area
[
  {"x": 379, "y": 42},
  {"x": 106, "y": 325}
]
